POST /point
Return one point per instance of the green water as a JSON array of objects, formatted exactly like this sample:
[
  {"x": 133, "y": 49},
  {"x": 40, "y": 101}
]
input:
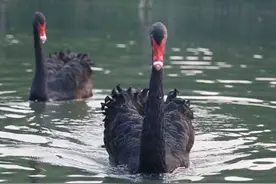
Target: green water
[{"x": 220, "y": 54}]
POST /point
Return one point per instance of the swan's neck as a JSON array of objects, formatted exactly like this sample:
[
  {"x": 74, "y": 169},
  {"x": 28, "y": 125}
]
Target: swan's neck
[
  {"x": 38, "y": 89},
  {"x": 152, "y": 151}
]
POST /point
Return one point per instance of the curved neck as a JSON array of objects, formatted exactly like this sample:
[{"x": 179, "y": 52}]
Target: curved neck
[
  {"x": 152, "y": 148},
  {"x": 38, "y": 89}
]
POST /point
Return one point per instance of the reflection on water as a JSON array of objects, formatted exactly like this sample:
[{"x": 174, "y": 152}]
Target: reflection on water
[
  {"x": 211, "y": 57},
  {"x": 69, "y": 134}
]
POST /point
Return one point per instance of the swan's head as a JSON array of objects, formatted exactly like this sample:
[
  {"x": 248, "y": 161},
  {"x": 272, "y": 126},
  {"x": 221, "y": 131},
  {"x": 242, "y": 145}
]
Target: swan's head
[
  {"x": 158, "y": 35},
  {"x": 40, "y": 24}
]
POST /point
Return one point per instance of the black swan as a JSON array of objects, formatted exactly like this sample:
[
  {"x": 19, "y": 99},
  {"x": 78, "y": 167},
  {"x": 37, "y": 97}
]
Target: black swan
[
  {"x": 144, "y": 132},
  {"x": 62, "y": 75}
]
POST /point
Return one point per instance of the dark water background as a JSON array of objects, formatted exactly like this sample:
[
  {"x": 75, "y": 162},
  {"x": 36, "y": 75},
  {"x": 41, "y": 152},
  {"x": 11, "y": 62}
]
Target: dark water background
[{"x": 220, "y": 54}]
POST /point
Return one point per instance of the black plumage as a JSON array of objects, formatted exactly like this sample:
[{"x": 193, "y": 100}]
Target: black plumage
[
  {"x": 144, "y": 132},
  {"x": 60, "y": 76}
]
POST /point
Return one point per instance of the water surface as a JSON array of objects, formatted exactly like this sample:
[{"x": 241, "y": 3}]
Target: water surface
[{"x": 219, "y": 54}]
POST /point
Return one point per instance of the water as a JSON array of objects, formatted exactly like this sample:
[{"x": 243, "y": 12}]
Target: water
[{"x": 220, "y": 54}]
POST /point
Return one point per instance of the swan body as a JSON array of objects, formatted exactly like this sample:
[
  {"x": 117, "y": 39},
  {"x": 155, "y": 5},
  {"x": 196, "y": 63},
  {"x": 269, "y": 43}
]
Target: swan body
[
  {"x": 60, "y": 76},
  {"x": 143, "y": 131}
]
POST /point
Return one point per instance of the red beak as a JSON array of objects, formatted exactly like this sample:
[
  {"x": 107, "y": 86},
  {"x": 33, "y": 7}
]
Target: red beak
[
  {"x": 42, "y": 32},
  {"x": 158, "y": 53}
]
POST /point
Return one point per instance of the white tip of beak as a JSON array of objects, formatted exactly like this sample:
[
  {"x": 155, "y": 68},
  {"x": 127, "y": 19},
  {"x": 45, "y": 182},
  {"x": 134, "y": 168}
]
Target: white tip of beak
[
  {"x": 43, "y": 38},
  {"x": 158, "y": 65}
]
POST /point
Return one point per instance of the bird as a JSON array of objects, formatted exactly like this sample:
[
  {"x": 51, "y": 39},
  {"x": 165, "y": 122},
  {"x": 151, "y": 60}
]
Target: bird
[
  {"x": 63, "y": 75},
  {"x": 142, "y": 130}
]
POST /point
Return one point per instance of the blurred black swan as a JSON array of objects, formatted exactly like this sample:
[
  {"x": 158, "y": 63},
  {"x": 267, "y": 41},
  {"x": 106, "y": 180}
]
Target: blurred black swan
[
  {"x": 144, "y": 132},
  {"x": 61, "y": 76}
]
